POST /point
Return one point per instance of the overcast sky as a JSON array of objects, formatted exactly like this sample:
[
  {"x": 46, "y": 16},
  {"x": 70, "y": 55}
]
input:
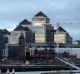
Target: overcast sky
[{"x": 67, "y": 12}]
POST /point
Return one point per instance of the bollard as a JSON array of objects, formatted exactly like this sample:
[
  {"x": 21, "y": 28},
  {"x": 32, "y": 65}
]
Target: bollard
[
  {"x": 8, "y": 72},
  {"x": 13, "y": 71}
]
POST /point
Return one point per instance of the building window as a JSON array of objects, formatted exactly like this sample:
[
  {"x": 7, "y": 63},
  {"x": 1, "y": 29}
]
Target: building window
[
  {"x": 38, "y": 19},
  {"x": 6, "y": 40},
  {"x": 39, "y": 35},
  {"x": 39, "y": 29}
]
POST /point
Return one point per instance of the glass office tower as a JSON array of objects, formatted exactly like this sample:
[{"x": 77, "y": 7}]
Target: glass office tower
[{"x": 42, "y": 28}]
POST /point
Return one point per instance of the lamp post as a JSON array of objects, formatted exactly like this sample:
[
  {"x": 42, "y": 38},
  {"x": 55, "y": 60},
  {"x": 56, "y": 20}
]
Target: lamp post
[{"x": 57, "y": 32}]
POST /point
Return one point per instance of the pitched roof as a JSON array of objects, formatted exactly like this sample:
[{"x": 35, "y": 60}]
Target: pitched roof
[
  {"x": 40, "y": 14},
  {"x": 6, "y": 31},
  {"x": 19, "y": 28},
  {"x": 25, "y": 21},
  {"x": 60, "y": 29},
  {"x": 1, "y": 30},
  {"x": 54, "y": 31}
]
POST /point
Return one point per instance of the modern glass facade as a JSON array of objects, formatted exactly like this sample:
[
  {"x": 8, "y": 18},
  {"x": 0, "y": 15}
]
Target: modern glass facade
[
  {"x": 60, "y": 38},
  {"x": 42, "y": 28},
  {"x": 40, "y": 19},
  {"x": 40, "y": 34}
]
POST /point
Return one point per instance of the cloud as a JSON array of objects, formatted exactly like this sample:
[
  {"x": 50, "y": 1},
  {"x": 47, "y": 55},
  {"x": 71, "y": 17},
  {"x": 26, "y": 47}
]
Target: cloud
[{"x": 14, "y": 11}]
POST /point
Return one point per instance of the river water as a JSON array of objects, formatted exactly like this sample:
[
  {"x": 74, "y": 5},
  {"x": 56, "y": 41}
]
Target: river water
[{"x": 39, "y": 73}]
